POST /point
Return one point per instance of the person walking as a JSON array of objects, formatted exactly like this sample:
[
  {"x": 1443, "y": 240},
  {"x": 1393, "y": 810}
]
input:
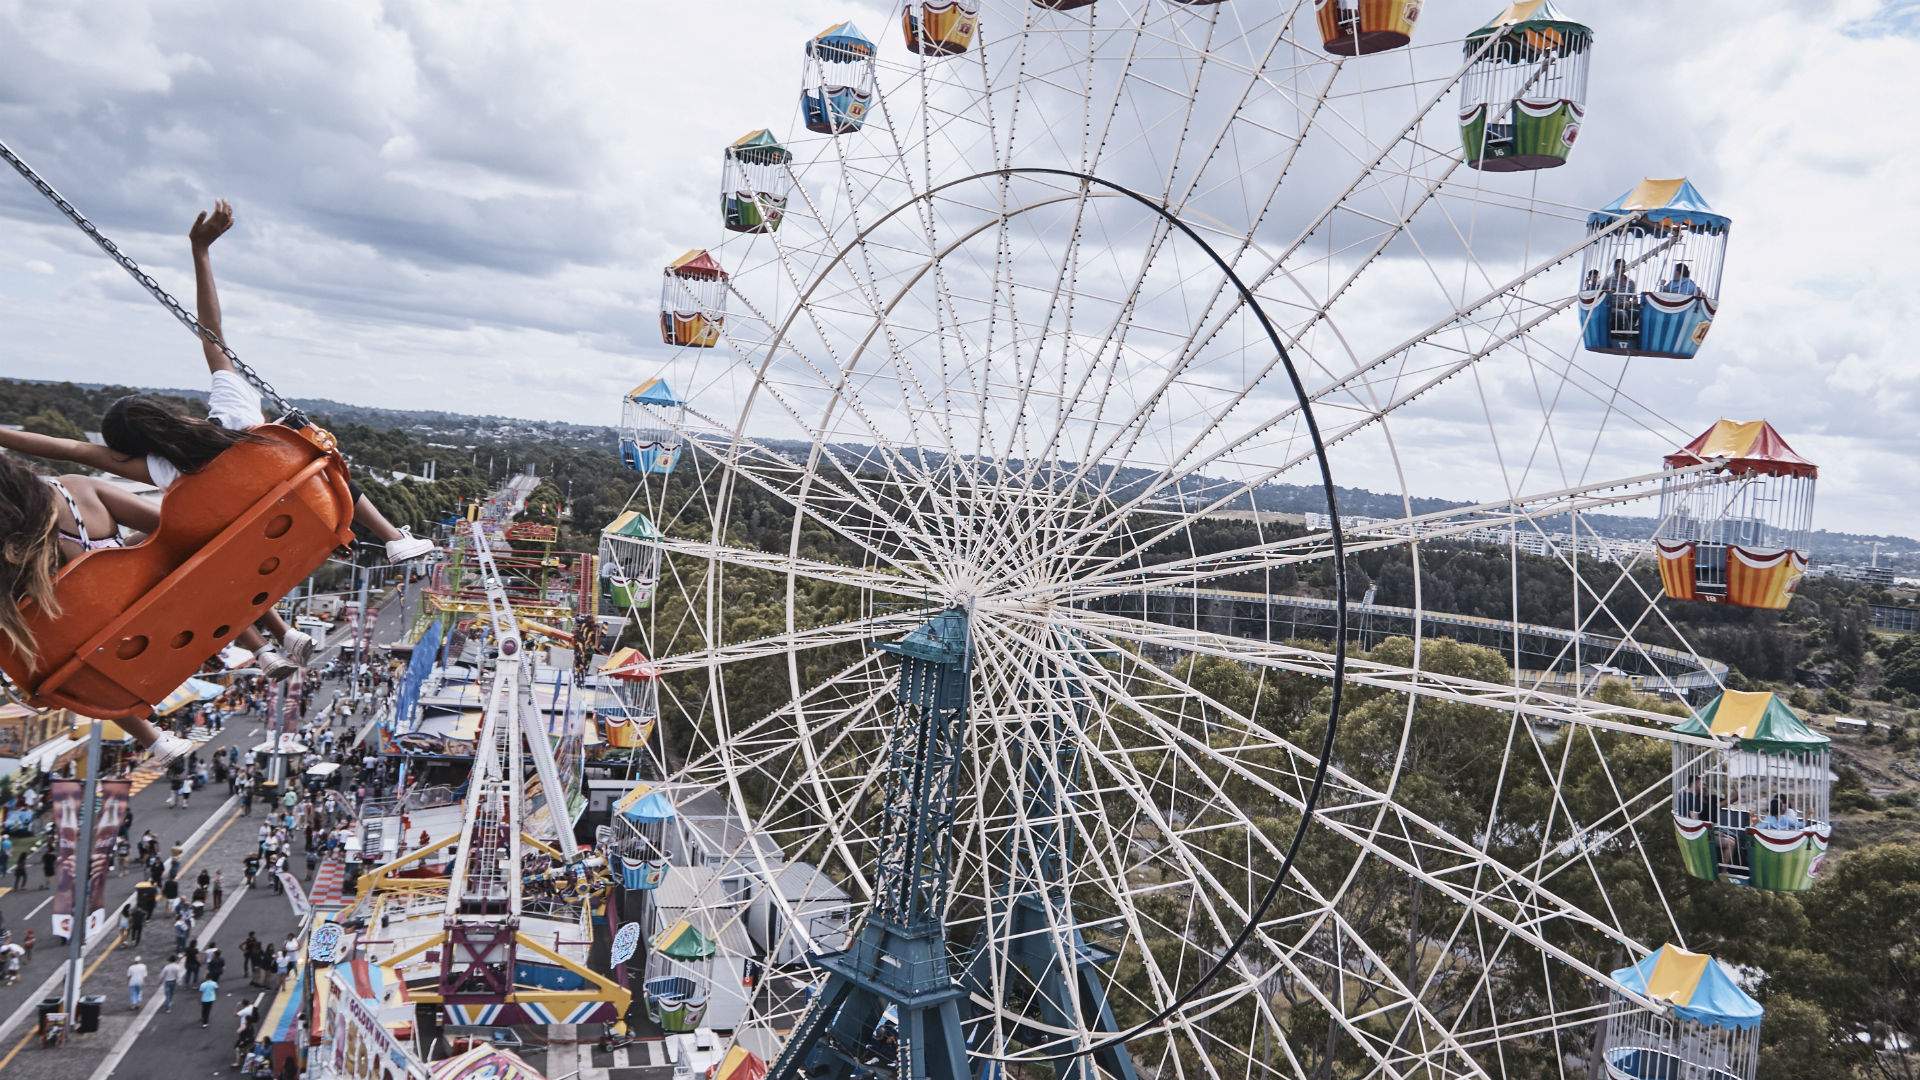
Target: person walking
[
  {"x": 136, "y": 982},
  {"x": 136, "y": 923},
  {"x": 170, "y": 977},
  {"x": 49, "y": 862},
  {"x": 216, "y": 963},
  {"x": 209, "y": 993},
  {"x": 193, "y": 962},
  {"x": 219, "y": 891},
  {"x": 20, "y": 873}
]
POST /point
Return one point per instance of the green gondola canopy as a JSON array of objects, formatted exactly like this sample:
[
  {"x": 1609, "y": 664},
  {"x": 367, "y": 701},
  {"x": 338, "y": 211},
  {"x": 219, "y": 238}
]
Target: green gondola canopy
[{"x": 1760, "y": 722}]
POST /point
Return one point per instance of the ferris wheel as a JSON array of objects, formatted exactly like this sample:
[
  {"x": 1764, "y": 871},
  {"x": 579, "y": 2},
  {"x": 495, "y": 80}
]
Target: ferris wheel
[{"x": 1002, "y": 393}]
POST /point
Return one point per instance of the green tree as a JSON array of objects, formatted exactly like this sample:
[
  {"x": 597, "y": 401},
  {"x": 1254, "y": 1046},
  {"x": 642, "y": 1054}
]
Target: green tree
[
  {"x": 51, "y": 421},
  {"x": 1857, "y": 962}
]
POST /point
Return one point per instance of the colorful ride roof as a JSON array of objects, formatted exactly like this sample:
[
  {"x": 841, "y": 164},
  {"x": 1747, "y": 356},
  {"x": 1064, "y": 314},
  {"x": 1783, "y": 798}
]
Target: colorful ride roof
[
  {"x": 1758, "y": 720},
  {"x": 629, "y": 663},
  {"x": 841, "y": 38},
  {"x": 697, "y": 263},
  {"x": 740, "y": 1064},
  {"x": 633, "y": 525},
  {"x": 683, "y": 941},
  {"x": 1675, "y": 201},
  {"x": 189, "y": 692},
  {"x": 643, "y": 804},
  {"x": 1536, "y": 22},
  {"x": 1698, "y": 987},
  {"x": 485, "y": 1063},
  {"x": 1750, "y": 446},
  {"x": 761, "y": 148},
  {"x": 654, "y": 392}
]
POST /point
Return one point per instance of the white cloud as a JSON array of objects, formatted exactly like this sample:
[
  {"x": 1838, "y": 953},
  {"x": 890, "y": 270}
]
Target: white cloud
[{"x": 466, "y": 207}]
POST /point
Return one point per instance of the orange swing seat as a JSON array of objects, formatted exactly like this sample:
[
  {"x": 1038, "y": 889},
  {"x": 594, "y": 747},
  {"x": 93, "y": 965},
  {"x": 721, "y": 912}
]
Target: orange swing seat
[{"x": 234, "y": 538}]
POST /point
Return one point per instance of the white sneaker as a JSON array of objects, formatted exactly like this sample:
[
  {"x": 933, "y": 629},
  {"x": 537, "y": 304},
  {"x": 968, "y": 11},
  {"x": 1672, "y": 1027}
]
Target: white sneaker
[
  {"x": 275, "y": 667},
  {"x": 167, "y": 747},
  {"x": 298, "y": 646},
  {"x": 407, "y": 547}
]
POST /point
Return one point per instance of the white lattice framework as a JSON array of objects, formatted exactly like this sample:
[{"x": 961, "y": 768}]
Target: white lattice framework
[{"x": 956, "y": 381}]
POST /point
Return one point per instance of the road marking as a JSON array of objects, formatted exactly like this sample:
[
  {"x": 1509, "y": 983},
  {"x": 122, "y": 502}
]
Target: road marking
[
  {"x": 37, "y": 907},
  {"x": 147, "y": 1012},
  {"x": 84, "y": 976},
  {"x": 59, "y": 975}
]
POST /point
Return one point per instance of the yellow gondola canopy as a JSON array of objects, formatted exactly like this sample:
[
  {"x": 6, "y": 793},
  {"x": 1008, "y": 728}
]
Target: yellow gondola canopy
[{"x": 1758, "y": 720}]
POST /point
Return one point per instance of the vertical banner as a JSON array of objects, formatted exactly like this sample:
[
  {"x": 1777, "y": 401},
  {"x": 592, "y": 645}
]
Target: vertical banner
[
  {"x": 66, "y": 799},
  {"x": 108, "y": 823}
]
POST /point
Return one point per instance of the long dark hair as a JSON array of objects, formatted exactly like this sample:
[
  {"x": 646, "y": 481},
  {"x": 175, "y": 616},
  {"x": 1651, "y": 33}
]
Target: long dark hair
[
  {"x": 29, "y": 552},
  {"x": 140, "y": 426}
]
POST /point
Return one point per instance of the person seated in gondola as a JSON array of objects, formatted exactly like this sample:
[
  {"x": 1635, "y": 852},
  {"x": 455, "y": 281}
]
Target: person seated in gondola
[
  {"x": 46, "y": 521},
  {"x": 1781, "y": 817},
  {"x": 1681, "y": 282},
  {"x": 1623, "y": 305},
  {"x": 1695, "y": 802},
  {"x": 150, "y": 443}
]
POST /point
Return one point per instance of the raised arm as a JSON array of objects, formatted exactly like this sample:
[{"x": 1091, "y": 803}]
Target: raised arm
[
  {"x": 207, "y": 228},
  {"x": 92, "y": 455}
]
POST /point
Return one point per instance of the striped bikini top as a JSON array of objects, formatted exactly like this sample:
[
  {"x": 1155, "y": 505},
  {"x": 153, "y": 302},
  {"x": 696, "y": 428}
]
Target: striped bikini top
[{"x": 87, "y": 543}]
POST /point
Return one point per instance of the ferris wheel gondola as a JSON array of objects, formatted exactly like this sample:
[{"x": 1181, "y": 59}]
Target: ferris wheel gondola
[
  {"x": 1362, "y": 27},
  {"x": 1755, "y": 812},
  {"x": 939, "y": 27},
  {"x": 837, "y": 88},
  {"x": 1525, "y": 91},
  {"x": 1652, "y": 288},
  {"x": 1745, "y": 543}
]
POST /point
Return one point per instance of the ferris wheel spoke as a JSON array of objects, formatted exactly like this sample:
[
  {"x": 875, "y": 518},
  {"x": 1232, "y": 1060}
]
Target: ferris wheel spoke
[
  {"x": 852, "y": 577},
  {"x": 1390, "y": 995},
  {"x": 1008, "y": 661},
  {"x": 1440, "y": 524},
  {"x": 1426, "y": 850},
  {"x": 1496, "y": 697},
  {"x": 855, "y": 631},
  {"x": 1223, "y": 495},
  {"x": 1366, "y": 174}
]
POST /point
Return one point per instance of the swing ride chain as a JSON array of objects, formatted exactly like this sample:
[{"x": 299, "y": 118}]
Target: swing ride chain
[{"x": 291, "y": 414}]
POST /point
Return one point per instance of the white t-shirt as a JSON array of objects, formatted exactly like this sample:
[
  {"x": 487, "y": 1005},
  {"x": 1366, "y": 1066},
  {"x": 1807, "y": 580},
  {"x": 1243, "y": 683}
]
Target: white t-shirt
[{"x": 232, "y": 404}]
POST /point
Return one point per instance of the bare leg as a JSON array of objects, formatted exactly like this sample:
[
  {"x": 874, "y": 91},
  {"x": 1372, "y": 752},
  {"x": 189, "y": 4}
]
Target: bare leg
[
  {"x": 141, "y": 729},
  {"x": 369, "y": 517}
]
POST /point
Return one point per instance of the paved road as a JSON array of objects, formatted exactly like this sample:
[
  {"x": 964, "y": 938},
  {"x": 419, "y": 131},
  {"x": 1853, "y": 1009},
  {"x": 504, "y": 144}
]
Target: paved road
[{"x": 152, "y": 1043}]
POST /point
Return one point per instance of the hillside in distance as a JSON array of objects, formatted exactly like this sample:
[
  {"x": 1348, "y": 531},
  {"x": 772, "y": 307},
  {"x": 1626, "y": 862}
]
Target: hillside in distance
[{"x": 22, "y": 398}]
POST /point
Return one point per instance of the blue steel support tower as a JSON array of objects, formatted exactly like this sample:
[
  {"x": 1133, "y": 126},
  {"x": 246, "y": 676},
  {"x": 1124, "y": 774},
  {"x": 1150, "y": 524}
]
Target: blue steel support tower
[
  {"x": 899, "y": 958},
  {"x": 1062, "y": 986}
]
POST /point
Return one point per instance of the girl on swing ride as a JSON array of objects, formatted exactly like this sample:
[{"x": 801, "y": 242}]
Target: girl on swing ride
[{"x": 47, "y": 521}]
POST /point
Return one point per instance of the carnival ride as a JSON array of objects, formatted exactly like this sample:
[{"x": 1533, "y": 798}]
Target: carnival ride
[
  {"x": 1050, "y": 311},
  {"x": 1023, "y": 369},
  {"x": 131, "y": 624},
  {"x": 483, "y": 948}
]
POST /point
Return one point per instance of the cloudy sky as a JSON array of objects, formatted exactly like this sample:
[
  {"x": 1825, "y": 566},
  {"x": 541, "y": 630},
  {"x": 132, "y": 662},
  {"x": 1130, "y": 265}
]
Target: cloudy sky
[{"x": 465, "y": 206}]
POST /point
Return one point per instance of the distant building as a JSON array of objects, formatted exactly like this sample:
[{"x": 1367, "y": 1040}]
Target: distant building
[{"x": 1903, "y": 620}]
